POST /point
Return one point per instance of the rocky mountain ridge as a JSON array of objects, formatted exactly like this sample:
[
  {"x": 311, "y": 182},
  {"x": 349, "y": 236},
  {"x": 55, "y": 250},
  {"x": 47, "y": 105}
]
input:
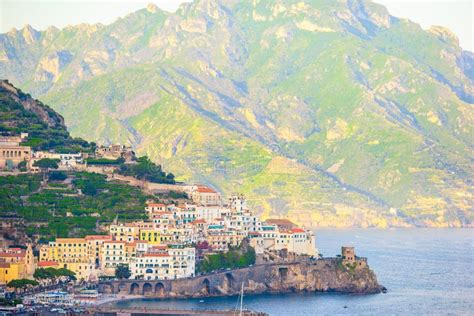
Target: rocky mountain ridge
[{"x": 334, "y": 113}]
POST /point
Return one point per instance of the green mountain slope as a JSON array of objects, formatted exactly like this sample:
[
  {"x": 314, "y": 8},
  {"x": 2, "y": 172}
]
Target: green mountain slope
[
  {"x": 64, "y": 203},
  {"x": 335, "y": 113},
  {"x": 19, "y": 113}
]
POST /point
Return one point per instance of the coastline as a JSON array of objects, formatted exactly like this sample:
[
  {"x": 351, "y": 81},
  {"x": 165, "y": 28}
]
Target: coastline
[{"x": 322, "y": 275}]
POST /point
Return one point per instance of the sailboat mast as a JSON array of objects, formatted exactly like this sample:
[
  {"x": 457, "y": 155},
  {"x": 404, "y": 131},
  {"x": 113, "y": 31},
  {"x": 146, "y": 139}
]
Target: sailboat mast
[{"x": 241, "y": 298}]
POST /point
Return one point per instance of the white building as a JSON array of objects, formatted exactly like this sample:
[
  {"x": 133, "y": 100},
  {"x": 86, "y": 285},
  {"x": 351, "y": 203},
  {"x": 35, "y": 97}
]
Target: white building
[
  {"x": 210, "y": 212},
  {"x": 203, "y": 195},
  {"x": 66, "y": 161},
  {"x": 152, "y": 208},
  {"x": 174, "y": 262},
  {"x": 116, "y": 253},
  {"x": 297, "y": 241},
  {"x": 238, "y": 203}
]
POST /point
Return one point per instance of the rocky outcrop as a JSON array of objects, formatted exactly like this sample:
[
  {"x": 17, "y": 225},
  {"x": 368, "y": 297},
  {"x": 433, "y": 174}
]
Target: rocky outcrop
[
  {"x": 324, "y": 275},
  {"x": 45, "y": 113}
]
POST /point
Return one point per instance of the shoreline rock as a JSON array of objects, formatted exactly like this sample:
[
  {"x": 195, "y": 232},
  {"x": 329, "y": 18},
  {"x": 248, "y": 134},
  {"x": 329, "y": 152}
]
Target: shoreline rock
[{"x": 323, "y": 275}]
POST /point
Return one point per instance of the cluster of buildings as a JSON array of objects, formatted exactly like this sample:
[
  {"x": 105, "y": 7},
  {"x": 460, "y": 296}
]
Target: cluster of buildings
[
  {"x": 165, "y": 246},
  {"x": 14, "y": 152},
  {"x": 168, "y": 244}
]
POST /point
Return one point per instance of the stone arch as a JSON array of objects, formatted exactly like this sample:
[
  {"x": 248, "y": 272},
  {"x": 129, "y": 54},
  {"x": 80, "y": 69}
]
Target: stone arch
[
  {"x": 107, "y": 288},
  {"x": 206, "y": 288},
  {"x": 122, "y": 288},
  {"x": 228, "y": 280},
  {"x": 135, "y": 289},
  {"x": 147, "y": 289},
  {"x": 283, "y": 272},
  {"x": 160, "y": 289}
]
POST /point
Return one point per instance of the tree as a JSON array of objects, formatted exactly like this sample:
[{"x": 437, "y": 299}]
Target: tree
[
  {"x": 52, "y": 273},
  {"x": 46, "y": 163},
  {"x": 22, "y": 166},
  {"x": 242, "y": 256},
  {"x": 66, "y": 273},
  {"x": 43, "y": 274},
  {"x": 145, "y": 169},
  {"x": 122, "y": 272},
  {"x": 89, "y": 189},
  {"x": 58, "y": 176},
  {"x": 22, "y": 284}
]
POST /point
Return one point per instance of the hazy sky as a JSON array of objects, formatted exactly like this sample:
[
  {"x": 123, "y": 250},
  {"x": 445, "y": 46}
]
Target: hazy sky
[{"x": 457, "y": 15}]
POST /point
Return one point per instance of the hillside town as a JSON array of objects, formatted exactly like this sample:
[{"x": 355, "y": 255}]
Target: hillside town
[
  {"x": 171, "y": 243},
  {"x": 166, "y": 245}
]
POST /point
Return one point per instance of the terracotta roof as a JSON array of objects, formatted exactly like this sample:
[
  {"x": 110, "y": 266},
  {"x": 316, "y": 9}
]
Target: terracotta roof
[
  {"x": 205, "y": 190},
  {"x": 12, "y": 255},
  {"x": 114, "y": 242},
  {"x": 98, "y": 237},
  {"x": 69, "y": 240},
  {"x": 4, "y": 265},
  {"x": 160, "y": 247},
  {"x": 298, "y": 230},
  {"x": 47, "y": 264}
]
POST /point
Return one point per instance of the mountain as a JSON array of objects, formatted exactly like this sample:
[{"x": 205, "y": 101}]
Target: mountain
[
  {"x": 334, "y": 113},
  {"x": 20, "y": 113},
  {"x": 65, "y": 203}
]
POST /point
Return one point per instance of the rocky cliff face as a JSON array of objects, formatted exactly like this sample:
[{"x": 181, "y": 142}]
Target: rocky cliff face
[
  {"x": 20, "y": 113},
  {"x": 326, "y": 275},
  {"x": 42, "y": 112},
  {"x": 322, "y": 276}
]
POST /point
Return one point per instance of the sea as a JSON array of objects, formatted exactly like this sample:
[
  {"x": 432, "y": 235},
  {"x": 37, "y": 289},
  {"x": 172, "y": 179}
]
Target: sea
[{"x": 426, "y": 272}]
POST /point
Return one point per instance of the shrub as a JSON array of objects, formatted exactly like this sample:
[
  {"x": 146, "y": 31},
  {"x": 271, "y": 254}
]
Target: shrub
[
  {"x": 232, "y": 259},
  {"x": 145, "y": 169},
  {"x": 57, "y": 176},
  {"x": 46, "y": 163},
  {"x": 122, "y": 272}
]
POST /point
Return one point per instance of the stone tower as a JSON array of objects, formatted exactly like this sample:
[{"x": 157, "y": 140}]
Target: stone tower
[
  {"x": 348, "y": 254},
  {"x": 30, "y": 261}
]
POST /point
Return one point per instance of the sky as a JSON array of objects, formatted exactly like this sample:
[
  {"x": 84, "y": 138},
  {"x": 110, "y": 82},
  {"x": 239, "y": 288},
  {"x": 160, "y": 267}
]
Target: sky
[{"x": 457, "y": 15}]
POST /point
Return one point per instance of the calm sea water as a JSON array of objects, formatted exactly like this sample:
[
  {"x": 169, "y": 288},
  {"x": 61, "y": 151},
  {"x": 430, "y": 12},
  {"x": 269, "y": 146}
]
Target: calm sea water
[{"x": 426, "y": 271}]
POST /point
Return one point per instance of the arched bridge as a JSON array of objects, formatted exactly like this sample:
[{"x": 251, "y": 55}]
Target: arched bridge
[{"x": 221, "y": 283}]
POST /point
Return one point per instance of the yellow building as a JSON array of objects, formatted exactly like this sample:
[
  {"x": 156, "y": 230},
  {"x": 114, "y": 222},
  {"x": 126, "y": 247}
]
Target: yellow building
[
  {"x": 16, "y": 263},
  {"x": 72, "y": 254},
  {"x": 124, "y": 232},
  {"x": 94, "y": 247},
  {"x": 11, "y": 151},
  {"x": 153, "y": 236},
  {"x": 11, "y": 271}
]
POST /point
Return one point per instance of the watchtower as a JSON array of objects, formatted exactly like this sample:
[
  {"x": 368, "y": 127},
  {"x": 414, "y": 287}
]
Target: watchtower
[{"x": 348, "y": 254}]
